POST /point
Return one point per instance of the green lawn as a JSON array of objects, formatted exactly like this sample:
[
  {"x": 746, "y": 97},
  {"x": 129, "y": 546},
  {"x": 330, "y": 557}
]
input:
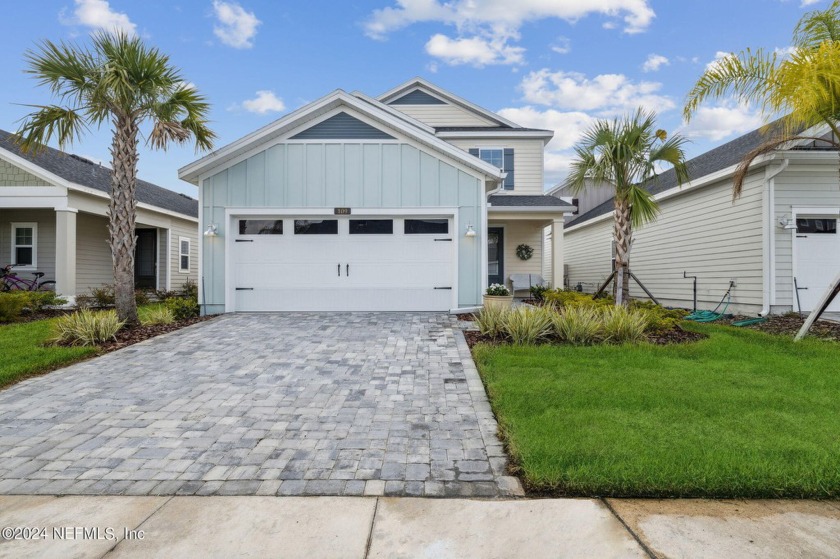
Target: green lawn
[
  {"x": 22, "y": 351},
  {"x": 740, "y": 414}
]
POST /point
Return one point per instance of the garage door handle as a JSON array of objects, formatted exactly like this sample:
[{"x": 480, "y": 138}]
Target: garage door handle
[
  {"x": 339, "y": 269},
  {"x": 443, "y": 288},
  {"x": 244, "y": 240},
  {"x": 450, "y": 240},
  {"x": 347, "y": 271},
  {"x": 244, "y": 288}
]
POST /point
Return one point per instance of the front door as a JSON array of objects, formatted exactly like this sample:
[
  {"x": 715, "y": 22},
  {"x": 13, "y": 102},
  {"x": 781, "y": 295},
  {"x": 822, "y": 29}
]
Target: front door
[
  {"x": 145, "y": 259},
  {"x": 495, "y": 255}
]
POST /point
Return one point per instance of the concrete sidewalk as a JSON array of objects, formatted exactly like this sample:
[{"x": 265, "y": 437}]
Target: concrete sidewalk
[{"x": 358, "y": 527}]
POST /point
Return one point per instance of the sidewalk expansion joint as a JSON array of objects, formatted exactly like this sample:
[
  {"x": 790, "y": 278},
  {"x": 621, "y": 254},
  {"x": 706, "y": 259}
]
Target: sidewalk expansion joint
[
  {"x": 372, "y": 524},
  {"x": 627, "y": 527}
]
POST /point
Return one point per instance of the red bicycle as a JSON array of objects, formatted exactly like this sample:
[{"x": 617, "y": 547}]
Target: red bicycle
[{"x": 11, "y": 282}]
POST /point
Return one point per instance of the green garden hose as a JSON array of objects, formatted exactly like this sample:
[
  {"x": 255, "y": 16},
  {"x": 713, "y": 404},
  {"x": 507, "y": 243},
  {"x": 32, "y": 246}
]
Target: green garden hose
[{"x": 711, "y": 316}]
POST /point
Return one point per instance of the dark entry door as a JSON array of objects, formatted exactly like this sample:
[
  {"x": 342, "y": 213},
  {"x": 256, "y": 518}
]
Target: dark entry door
[
  {"x": 145, "y": 259},
  {"x": 495, "y": 255}
]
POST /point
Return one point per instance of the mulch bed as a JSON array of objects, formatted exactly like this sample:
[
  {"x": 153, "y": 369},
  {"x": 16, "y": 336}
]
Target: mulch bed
[
  {"x": 468, "y": 317},
  {"x": 789, "y": 325},
  {"x": 44, "y": 314},
  {"x": 675, "y": 336},
  {"x": 130, "y": 336}
]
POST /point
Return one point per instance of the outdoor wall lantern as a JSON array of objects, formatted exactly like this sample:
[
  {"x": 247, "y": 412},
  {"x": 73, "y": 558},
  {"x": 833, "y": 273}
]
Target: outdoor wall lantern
[
  {"x": 470, "y": 231},
  {"x": 212, "y": 231}
]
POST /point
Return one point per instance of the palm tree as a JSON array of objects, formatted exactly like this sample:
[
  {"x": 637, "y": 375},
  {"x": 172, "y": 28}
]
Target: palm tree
[
  {"x": 804, "y": 86},
  {"x": 625, "y": 153},
  {"x": 122, "y": 82}
]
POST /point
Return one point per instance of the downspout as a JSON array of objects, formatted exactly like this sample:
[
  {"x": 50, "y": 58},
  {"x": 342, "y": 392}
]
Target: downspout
[{"x": 770, "y": 237}]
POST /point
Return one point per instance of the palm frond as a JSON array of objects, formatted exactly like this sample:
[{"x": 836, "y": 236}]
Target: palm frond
[
  {"x": 817, "y": 27},
  {"x": 51, "y": 121}
]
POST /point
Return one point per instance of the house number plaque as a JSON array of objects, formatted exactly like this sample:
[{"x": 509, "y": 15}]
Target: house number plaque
[{"x": 342, "y": 211}]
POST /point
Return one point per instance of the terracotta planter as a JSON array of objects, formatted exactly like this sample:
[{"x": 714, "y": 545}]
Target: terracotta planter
[{"x": 498, "y": 301}]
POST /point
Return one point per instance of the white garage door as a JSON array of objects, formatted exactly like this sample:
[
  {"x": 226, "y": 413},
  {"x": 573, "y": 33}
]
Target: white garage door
[
  {"x": 817, "y": 259},
  {"x": 350, "y": 263}
]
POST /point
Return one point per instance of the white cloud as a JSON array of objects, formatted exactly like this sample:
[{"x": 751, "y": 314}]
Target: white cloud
[
  {"x": 265, "y": 102},
  {"x": 605, "y": 94},
  {"x": 484, "y": 25},
  {"x": 562, "y": 45},
  {"x": 784, "y": 52},
  {"x": 236, "y": 27},
  {"x": 98, "y": 15},
  {"x": 721, "y": 121},
  {"x": 476, "y": 51},
  {"x": 719, "y": 55},
  {"x": 654, "y": 62},
  {"x": 806, "y": 3}
]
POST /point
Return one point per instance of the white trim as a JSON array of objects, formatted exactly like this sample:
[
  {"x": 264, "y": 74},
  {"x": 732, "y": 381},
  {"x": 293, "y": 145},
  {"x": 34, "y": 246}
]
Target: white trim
[
  {"x": 157, "y": 257},
  {"x": 495, "y": 133},
  {"x": 394, "y": 112},
  {"x": 181, "y": 269},
  {"x": 486, "y": 280},
  {"x": 232, "y": 213},
  {"x": 169, "y": 259},
  {"x": 420, "y": 83},
  {"x": 260, "y": 139},
  {"x": 531, "y": 209},
  {"x": 12, "y": 256}
]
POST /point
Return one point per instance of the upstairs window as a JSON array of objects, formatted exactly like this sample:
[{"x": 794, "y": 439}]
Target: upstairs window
[
  {"x": 498, "y": 157},
  {"x": 495, "y": 157}
]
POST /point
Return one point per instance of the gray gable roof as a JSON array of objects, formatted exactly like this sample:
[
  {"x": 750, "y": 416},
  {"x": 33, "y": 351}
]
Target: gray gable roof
[
  {"x": 717, "y": 159},
  {"x": 86, "y": 173},
  {"x": 530, "y": 201},
  {"x": 417, "y": 97}
]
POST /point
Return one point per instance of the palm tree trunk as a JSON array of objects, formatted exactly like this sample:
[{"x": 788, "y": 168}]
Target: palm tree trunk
[
  {"x": 122, "y": 213},
  {"x": 623, "y": 235}
]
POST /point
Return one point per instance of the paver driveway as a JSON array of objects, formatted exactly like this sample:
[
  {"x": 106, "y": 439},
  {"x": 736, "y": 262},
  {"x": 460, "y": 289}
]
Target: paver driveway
[{"x": 322, "y": 404}]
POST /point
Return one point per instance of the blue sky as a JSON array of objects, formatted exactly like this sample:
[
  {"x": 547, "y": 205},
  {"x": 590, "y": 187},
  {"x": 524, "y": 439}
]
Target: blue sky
[{"x": 554, "y": 64}]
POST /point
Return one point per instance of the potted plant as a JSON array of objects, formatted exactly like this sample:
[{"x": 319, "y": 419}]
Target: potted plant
[{"x": 497, "y": 295}]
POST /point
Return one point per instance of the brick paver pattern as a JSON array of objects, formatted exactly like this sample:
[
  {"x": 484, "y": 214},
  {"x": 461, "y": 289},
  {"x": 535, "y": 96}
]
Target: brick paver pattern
[{"x": 285, "y": 404}]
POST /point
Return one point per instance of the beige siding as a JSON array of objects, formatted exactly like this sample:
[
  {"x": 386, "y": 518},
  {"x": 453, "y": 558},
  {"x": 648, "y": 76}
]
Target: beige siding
[
  {"x": 444, "y": 115},
  {"x": 11, "y": 175},
  {"x": 516, "y": 233},
  {"x": 189, "y": 230},
  {"x": 45, "y": 244},
  {"x": 527, "y": 160},
  {"x": 799, "y": 186},
  {"x": 94, "y": 267},
  {"x": 700, "y": 232}
]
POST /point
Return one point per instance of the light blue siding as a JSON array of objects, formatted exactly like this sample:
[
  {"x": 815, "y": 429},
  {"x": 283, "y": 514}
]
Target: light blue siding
[{"x": 354, "y": 175}]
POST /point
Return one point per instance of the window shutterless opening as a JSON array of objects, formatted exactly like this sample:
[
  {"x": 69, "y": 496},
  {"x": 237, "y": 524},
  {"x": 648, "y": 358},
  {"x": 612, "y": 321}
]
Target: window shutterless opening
[
  {"x": 24, "y": 244},
  {"x": 371, "y": 226},
  {"x": 426, "y": 226},
  {"x": 316, "y": 227},
  {"x": 260, "y": 226}
]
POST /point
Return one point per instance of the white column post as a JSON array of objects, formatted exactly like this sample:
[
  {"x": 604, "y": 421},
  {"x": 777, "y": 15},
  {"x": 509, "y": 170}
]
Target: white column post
[
  {"x": 557, "y": 253},
  {"x": 65, "y": 252}
]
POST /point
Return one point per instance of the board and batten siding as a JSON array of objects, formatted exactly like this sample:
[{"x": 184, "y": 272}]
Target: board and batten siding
[
  {"x": 45, "y": 255},
  {"x": 801, "y": 185},
  {"x": 349, "y": 174},
  {"x": 443, "y": 115},
  {"x": 527, "y": 160},
  {"x": 700, "y": 232}
]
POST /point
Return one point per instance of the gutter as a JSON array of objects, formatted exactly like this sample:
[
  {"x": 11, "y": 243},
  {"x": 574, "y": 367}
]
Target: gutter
[{"x": 769, "y": 259}]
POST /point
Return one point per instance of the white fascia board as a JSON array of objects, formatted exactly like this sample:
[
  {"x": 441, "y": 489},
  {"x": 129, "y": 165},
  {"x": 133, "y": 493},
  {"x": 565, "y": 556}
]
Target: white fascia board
[
  {"x": 686, "y": 187},
  {"x": 531, "y": 209},
  {"x": 394, "y": 112},
  {"x": 420, "y": 83},
  {"x": 194, "y": 171},
  {"x": 142, "y": 205},
  {"x": 545, "y": 136}
]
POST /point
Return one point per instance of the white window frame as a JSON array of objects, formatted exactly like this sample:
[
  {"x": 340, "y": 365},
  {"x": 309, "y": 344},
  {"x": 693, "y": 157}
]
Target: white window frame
[
  {"x": 14, "y": 245},
  {"x": 181, "y": 269},
  {"x": 502, "y": 167}
]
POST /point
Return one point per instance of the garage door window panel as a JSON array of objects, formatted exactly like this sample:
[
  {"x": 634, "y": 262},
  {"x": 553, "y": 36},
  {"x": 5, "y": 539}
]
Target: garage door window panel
[
  {"x": 260, "y": 226},
  {"x": 371, "y": 226},
  {"x": 316, "y": 227},
  {"x": 426, "y": 226},
  {"x": 816, "y": 226}
]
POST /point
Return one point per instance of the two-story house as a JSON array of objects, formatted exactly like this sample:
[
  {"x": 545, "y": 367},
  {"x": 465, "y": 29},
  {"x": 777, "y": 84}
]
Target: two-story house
[{"x": 412, "y": 201}]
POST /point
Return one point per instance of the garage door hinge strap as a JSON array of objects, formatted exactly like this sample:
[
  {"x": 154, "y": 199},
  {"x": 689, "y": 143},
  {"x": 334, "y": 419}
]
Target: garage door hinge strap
[
  {"x": 244, "y": 288},
  {"x": 443, "y": 288}
]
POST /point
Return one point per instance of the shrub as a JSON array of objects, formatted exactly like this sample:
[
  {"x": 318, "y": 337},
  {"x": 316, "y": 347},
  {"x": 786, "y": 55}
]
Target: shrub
[
  {"x": 157, "y": 314},
  {"x": 141, "y": 297},
  {"x": 659, "y": 319},
  {"x": 190, "y": 290},
  {"x": 86, "y": 327},
  {"x": 576, "y": 299},
  {"x": 538, "y": 292},
  {"x": 498, "y": 290},
  {"x": 102, "y": 296},
  {"x": 527, "y": 325},
  {"x": 164, "y": 295},
  {"x": 490, "y": 321},
  {"x": 12, "y": 305},
  {"x": 183, "y": 309},
  {"x": 622, "y": 325},
  {"x": 578, "y": 325}
]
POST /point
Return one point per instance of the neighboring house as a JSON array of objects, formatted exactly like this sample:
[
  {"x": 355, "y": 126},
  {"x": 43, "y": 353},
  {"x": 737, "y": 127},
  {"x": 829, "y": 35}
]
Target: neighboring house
[
  {"x": 53, "y": 219},
  {"x": 415, "y": 200},
  {"x": 781, "y": 232}
]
